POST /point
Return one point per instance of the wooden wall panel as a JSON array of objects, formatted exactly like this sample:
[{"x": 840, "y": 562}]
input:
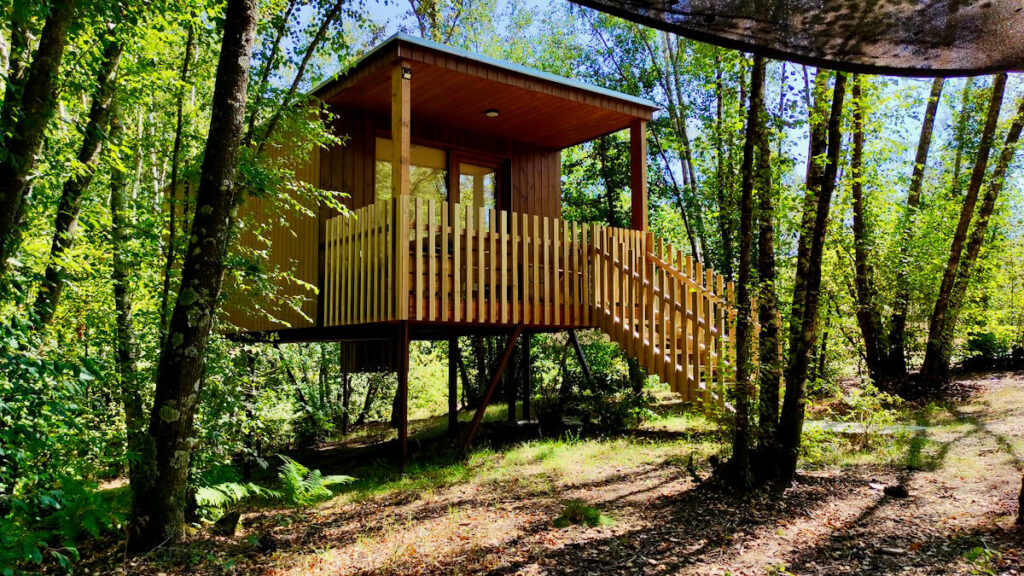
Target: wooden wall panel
[{"x": 291, "y": 246}]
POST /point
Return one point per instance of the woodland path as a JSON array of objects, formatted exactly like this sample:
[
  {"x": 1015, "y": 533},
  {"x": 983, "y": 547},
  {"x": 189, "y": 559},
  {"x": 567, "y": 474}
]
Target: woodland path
[{"x": 495, "y": 514}]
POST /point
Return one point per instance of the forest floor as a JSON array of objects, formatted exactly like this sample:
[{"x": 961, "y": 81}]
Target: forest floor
[{"x": 496, "y": 511}]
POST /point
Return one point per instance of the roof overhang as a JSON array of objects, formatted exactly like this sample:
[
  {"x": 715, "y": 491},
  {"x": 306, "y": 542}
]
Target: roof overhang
[
  {"x": 901, "y": 38},
  {"x": 454, "y": 88}
]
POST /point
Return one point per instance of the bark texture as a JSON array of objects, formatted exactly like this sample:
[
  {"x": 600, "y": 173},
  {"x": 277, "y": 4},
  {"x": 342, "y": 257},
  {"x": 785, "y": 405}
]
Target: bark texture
[
  {"x": 158, "y": 509},
  {"x": 739, "y": 469},
  {"x": 770, "y": 371},
  {"x": 817, "y": 147}
]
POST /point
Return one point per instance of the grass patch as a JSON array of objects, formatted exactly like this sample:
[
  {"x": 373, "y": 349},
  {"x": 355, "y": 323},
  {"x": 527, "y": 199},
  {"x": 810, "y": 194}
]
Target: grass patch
[{"x": 579, "y": 513}]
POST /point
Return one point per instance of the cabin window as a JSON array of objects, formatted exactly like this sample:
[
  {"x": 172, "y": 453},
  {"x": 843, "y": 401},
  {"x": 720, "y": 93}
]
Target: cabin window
[{"x": 428, "y": 172}]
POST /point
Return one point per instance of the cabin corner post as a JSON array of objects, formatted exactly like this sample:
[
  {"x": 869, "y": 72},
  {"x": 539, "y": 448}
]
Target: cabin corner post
[
  {"x": 401, "y": 99},
  {"x": 638, "y": 174},
  {"x": 401, "y": 80}
]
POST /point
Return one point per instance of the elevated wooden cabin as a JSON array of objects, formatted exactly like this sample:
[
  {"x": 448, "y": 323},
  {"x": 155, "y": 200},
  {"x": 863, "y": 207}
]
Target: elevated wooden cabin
[{"x": 451, "y": 162}]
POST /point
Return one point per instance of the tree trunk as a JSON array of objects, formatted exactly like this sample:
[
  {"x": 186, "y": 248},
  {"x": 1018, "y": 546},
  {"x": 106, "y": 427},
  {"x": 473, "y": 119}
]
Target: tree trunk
[
  {"x": 371, "y": 392},
  {"x": 125, "y": 347},
  {"x": 269, "y": 64},
  {"x": 17, "y": 64},
  {"x": 172, "y": 222},
  {"x": 805, "y": 305},
  {"x": 35, "y": 107},
  {"x": 724, "y": 206},
  {"x": 346, "y": 402},
  {"x": 868, "y": 314},
  {"x": 935, "y": 368},
  {"x": 481, "y": 369},
  {"x": 74, "y": 187},
  {"x": 977, "y": 238},
  {"x": 961, "y": 132},
  {"x": 896, "y": 361},
  {"x": 770, "y": 371},
  {"x": 511, "y": 377},
  {"x": 817, "y": 148},
  {"x": 158, "y": 508},
  {"x": 636, "y": 375},
  {"x": 739, "y": 466}
]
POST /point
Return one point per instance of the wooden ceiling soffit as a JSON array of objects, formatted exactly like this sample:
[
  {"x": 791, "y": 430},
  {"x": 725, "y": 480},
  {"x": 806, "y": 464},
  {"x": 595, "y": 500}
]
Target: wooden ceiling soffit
[
  {"x": 417, "y": 50},
  {"x": 895, "y": 37}
]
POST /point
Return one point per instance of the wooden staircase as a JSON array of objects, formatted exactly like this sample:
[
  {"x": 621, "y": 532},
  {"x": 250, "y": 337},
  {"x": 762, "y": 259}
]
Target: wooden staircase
[{"x": 675, "y": 317}]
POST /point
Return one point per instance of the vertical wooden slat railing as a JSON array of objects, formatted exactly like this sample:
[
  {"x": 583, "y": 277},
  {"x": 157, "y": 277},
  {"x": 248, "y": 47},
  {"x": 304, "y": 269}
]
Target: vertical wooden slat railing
[{"x": 421, "y": 259}]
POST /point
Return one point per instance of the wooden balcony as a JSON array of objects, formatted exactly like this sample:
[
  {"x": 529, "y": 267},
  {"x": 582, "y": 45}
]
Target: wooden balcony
[{"x": 427, "y": 262}]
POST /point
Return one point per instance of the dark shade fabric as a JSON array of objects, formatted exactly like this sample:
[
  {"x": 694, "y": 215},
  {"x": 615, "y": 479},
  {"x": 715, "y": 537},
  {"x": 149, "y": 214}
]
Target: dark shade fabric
[{"x": 898, "y": 37}]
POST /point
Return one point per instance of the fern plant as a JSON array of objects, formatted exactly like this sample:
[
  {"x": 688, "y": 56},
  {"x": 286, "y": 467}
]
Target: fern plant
[
  {"x": 227, "y": 494},
  {"x": 302, "y": 487}
]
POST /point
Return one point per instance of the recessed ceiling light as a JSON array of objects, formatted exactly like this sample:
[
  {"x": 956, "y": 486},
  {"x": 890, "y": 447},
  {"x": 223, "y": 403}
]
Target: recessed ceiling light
[{"x": 491, "y": 113}]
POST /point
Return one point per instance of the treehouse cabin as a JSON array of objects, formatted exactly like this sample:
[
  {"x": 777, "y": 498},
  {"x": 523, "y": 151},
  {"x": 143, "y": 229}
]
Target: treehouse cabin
[{"x": 450, "y": 164}]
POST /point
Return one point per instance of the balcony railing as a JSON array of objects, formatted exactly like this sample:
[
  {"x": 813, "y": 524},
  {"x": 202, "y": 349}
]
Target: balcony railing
[
  {"x": 490, "y": 267},
  {"x": 408, "y": 259}
]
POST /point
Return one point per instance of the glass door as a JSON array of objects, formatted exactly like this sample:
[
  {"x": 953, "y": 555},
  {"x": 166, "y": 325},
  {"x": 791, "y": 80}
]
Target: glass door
[{"x": 478, "y": 187}]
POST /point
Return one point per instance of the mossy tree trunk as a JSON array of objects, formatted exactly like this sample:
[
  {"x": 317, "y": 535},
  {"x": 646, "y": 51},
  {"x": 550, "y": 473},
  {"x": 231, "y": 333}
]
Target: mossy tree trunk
[{"x": 158, "y": 508}]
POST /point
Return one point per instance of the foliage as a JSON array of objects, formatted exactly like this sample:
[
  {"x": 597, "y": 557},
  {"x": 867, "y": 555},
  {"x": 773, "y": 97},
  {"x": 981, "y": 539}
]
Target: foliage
[
  {"x": 301, "y": 487},
  {"x": 983, "y": 560},
  {"x": 578, "y": 512},
  {"x": 607, "y": 405},
  {"x": 871, "y": 409},
  {"x": 62, "y": 400},
  {"x": 49, "y": 449}
]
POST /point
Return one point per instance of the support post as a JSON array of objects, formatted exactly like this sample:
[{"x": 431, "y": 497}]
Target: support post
[
  {"x": 495, "y": 379},
  {"x": 401, "y": 78},
  {"x": 453, "y": 385},
  {"x": 402, "y": 405},
  {"x": 579, "y": 356},
  {"x": 638, "y": 174},
  {"x": 525, "y": 371}
]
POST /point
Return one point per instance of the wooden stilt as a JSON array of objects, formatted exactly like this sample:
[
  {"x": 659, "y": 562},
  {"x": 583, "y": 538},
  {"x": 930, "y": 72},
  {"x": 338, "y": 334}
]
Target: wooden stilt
[
  {"x": 525, "y": 369},
  {"x": 402, "y": 405},
  {"x": 495, "y": 379},
  {"x": 511, "y": 388},
  {"x": 453, "y": 385},
  {"x": 579, "y": 355}
]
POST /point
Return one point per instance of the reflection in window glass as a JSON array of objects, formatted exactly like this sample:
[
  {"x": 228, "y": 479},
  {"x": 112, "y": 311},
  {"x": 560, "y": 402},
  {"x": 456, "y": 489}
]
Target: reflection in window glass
[
  {"x": 478, "y": 186},
  {"x": 427, "y": 173}
]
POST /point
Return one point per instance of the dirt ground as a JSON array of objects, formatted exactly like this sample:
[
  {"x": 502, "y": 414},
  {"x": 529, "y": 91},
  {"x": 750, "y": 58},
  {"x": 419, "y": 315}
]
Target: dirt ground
[{"x": 963, "y": 475}]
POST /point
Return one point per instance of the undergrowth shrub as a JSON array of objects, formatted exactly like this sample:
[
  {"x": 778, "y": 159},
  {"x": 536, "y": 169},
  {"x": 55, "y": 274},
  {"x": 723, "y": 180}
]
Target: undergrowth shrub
[
  {"x": 578, "y": 512},
  {"x": 53, "y": 430}
]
